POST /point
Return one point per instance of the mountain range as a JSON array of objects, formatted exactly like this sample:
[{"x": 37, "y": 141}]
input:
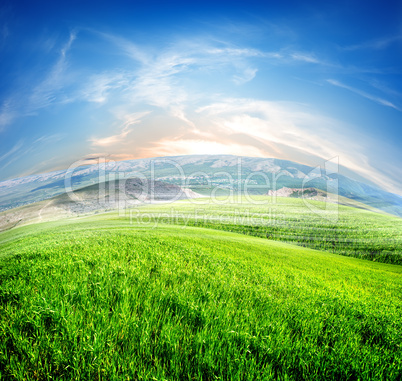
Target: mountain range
[{"x": 204, "y": 174}]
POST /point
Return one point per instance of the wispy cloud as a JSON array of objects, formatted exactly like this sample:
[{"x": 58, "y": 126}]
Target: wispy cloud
[
  {"x": 247, "y": 75},
  {"x": 376, "y": 44},
  {"x": 364, "y": 94},
  {"x": 7, "y": 114},
  {"x": 49, "y": 139},
  {"x": 383, "y": 87},
  {"x": 156, "y": 82},
  {"x": 252, "y": 127},
  {"x": 12, "y": 151},
  {"x": 313, "y": 58},
  {"x": 157, "y": 79},
  {"x": 305, "y": 58},
  {"x": 45, "y": 93},
  {"x": 291, "y": 132},
  {"x": 22, "y": 150},
  {"x": 128, "y": 47},
  {"x": 99, "y": 86},
  {"x": 186, "y": 85},
  {"x": 237, "y": 52},
  {"x": 35, "y": 96},
  {"x": 13, "y": 155},
  {"x": 277, "y": 124},
  {"x": 112, "y": 140}
]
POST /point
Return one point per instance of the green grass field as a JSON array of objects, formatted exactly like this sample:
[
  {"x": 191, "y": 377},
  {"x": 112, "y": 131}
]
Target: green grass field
[
  {"x": 347, "y": 231},
  {"x": 110, "y": 298}
]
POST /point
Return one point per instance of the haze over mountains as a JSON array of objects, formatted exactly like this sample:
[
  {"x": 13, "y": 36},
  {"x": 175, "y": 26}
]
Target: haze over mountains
[{"x": 204, "y": 174}]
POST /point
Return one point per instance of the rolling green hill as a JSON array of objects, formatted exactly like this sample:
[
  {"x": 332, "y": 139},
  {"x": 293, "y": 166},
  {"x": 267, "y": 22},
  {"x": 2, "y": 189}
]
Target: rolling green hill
[
  {"x": 338, "y": 229},
  {"x": 118, "y": 298},
  {"x": 350, "y": 228}
]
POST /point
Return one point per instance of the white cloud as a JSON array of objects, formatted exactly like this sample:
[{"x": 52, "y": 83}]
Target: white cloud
[
  {"x": 311, "y": 58},
  {"x": 110, "y": 140},
  {"x": 7, "y": 114},
  {"x": 157, "y": 83},
  {"x": 128, "y": 47},
  {"x": 287, "y": 125},
  {"x": 273, "y": 122},
  {"x": 46, "y": 92},
  {"x": 157, "y": 77},
  {"x": 13, "y": 155},
  {"x": 376, "y": 44},
  {"x": 251, "y": 127},
  {"x": 173, "y": 147},
  {"x": 99, "y": 86},
  {"x": 13, "y": 150},
  {"x": 178, "y": 112},
  {"x": 236, "y": 52},
  {"x": 373, "y": 98},
  {"x": 125, "y": 130},
  {"x": 49, "y": 139},
  {"x": 247, "y": 75},
  {"x": 28, "y": 100},
  {"x": 170, "y": 82},
  {"x": 305, "y": 58},
  {"x": 19, "y": 151}
]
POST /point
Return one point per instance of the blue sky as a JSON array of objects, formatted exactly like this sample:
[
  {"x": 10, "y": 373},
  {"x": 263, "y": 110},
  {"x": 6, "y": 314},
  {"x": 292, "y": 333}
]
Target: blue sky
[{"x": 303, "y": 81}]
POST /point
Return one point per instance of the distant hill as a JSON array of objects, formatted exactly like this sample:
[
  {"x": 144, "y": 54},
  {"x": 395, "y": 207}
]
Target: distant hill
[
  {"x": 320, "y": 195},
  {"x": 309, "y": 193},
  {"x": 112, "y": 195},
  {"x": 96, "y": 198},
  {"x": 205, "y": 174}
]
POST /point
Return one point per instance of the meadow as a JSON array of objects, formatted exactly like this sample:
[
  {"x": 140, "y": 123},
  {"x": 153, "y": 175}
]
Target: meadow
[
  {"x": 115, "y": 298},
  {"x": 339, "y": 229}
]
